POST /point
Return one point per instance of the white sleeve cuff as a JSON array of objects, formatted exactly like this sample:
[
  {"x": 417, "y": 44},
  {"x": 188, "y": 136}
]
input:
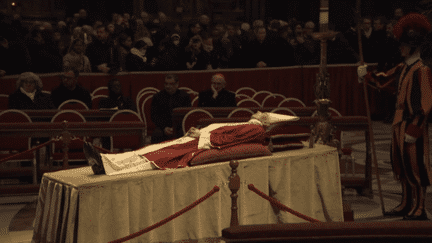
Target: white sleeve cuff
[{"x": 204, "y": 140}]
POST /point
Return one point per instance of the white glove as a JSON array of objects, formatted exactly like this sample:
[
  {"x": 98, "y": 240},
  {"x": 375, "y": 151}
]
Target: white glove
[
  {"x": 409, "y": 138},
  {"x": 361, "y": 72}
]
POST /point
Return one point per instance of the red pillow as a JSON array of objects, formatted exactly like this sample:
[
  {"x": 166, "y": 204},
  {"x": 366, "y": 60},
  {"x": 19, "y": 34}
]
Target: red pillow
[
  {"x": 286, "y": 137},
  {"x": 240, "y": 151}
]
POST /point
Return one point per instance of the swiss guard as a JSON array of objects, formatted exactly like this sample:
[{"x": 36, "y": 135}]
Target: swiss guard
[{"x": 411, "y": 80}]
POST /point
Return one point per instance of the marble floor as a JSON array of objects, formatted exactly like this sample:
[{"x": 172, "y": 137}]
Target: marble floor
[{"x": 19, "y": 208}]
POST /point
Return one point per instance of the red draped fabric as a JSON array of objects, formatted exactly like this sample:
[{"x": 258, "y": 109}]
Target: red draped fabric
[{"x": 346, "y": 93}]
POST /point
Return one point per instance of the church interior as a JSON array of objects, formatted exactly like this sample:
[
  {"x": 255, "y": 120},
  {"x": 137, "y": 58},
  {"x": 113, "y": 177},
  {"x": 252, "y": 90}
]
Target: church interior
[{"x": 335, "y": 170}]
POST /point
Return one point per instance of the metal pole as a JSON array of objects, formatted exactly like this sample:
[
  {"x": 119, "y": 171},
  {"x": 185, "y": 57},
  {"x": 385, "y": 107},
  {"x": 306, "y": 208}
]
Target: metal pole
[{"x": 372, "y": 140}]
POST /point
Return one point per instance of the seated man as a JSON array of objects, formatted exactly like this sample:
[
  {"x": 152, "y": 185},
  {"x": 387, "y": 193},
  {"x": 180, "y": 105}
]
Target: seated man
[
  {"x": 116, "y": 100},
  {"x": 177, "y": 153},
  {"x": 217, "y": 96},
  {"x": 70, "y": 89},
  {"x": 162, "y": 106}
]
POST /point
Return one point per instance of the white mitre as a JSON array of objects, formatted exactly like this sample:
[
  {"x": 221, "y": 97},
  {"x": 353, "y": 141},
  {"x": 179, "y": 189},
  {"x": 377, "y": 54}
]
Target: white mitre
[{"x": 276, "y": 118}]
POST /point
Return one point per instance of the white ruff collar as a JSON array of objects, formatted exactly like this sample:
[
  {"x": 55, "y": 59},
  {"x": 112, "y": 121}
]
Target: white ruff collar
[
  {"x": 138, "y": 53},
  {"x": 412, "y": 59},
  {"x": 30, "y": 95}
]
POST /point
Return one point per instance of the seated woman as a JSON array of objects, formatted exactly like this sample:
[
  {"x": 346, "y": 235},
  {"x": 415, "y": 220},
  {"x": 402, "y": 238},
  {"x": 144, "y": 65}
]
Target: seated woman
[
  {"x": 29, "y": 95},
  {"x": 137, "y": 59},
  {"x": 177, "y": 153},
  {"x": 195, "y": 57},
  {"x": 75, "y": 58}
]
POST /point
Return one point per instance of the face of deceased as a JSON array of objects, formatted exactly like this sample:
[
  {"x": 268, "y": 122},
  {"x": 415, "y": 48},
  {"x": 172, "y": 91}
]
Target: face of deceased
[{"x": 262, "y": 117}]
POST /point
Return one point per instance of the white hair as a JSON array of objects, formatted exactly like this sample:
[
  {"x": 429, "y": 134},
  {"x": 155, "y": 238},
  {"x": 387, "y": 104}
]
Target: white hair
[
  {"x": 245, "y": 26},
  {"x": 258, "y": 23},
  {"x": 29, "y": 76}
]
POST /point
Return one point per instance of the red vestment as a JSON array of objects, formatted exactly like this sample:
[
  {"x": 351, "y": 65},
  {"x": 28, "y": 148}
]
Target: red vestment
[{"x": 178, "y": 155}]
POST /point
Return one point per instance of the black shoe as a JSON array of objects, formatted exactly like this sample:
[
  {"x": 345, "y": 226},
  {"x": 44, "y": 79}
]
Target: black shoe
[
  {"x": 394, "y": 213},
  {"x": 423, "y": 216},
  {"x": 94, "y": 158},
  {"x": 87, "y": 151}
]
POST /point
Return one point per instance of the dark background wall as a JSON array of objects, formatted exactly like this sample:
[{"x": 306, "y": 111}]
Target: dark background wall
[{"x": 342, "y": 12}]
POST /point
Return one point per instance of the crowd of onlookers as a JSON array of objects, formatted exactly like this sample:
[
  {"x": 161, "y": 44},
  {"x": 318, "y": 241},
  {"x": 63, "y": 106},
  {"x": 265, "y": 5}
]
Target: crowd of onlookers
[{"x": 160, "y": 43}]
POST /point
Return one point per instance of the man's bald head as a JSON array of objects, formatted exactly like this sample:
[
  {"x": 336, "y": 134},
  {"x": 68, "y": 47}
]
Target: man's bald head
[{"x": 218, "y": 82}]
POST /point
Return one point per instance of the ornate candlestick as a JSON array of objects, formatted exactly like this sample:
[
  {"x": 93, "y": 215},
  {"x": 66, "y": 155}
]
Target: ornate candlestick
[{"x": 323, "y": 130}]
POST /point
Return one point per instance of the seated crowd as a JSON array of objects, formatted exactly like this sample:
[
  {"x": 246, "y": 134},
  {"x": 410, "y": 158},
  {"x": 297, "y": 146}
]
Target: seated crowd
[
  {"x": 29, "y": 96},
  {"x": 143, "y": 43}
]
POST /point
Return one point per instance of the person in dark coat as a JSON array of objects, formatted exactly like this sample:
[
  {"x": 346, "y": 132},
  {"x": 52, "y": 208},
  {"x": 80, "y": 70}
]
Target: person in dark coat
[
  {"x": 70, "y": 89},
  {"x": 162, "y": 106},
  {"x": 116, "y": 99},
  {"x": 29, "y": 95},
  {"x": 259, "y": 51},
  {"x": 11, "y": 58},
  {"x": 137, "y": 59},
  {"x": 283, "y": 49},
  {"x": 339, "y": 51},
  {"x": 195, "y": 57},
  {"x": 217, "y": 96},
  {"x": 102, "y": 54},
  {"x": 170, "y": 59}
]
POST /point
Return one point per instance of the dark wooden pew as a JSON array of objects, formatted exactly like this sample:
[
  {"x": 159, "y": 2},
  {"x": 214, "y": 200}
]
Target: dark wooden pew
[{"x": 89, "y": 115}]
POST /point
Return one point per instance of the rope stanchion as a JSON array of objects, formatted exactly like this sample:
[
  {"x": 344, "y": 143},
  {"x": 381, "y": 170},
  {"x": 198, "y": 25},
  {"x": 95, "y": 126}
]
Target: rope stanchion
[
  {"x": 166, "y": 220},
  {"x": 100, "y": 148},
  {"x": 27, "y": 151},
  {"x": 281, "y": 206}
]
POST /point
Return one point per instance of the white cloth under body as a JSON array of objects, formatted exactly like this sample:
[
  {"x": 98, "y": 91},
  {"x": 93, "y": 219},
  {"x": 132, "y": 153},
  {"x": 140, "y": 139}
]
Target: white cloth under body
[{"x": 134, "y": 161}]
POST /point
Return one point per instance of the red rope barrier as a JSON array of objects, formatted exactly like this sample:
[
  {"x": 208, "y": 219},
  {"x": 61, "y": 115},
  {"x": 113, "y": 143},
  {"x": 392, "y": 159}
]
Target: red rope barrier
[
  {"x": 100, "y": 148},
  {"x": 164, "y": 221},
  {"x": 280, "y": 205},
  {"x": 27, "y": 151},
  {"x": 103, "y": 149}
]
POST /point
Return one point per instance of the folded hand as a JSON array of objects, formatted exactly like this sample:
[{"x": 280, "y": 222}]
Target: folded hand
[
  {"x": 409, "y": 138},
  {"x": 193, "y": 132}
]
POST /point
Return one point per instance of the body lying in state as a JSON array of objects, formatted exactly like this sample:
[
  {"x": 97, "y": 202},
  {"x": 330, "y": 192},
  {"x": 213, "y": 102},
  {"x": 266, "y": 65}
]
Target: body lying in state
[{"x": 177, "y": 153}]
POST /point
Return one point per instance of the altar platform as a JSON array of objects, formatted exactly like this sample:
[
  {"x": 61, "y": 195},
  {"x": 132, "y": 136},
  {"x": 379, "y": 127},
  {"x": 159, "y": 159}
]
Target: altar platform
[
  {"x": 78, "y": 206},
  {"x": 18, "y": 212}
]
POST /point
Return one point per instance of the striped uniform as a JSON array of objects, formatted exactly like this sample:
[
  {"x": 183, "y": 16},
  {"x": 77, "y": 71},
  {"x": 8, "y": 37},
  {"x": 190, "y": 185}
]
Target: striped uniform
[{"x": 414, "y": 102}]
